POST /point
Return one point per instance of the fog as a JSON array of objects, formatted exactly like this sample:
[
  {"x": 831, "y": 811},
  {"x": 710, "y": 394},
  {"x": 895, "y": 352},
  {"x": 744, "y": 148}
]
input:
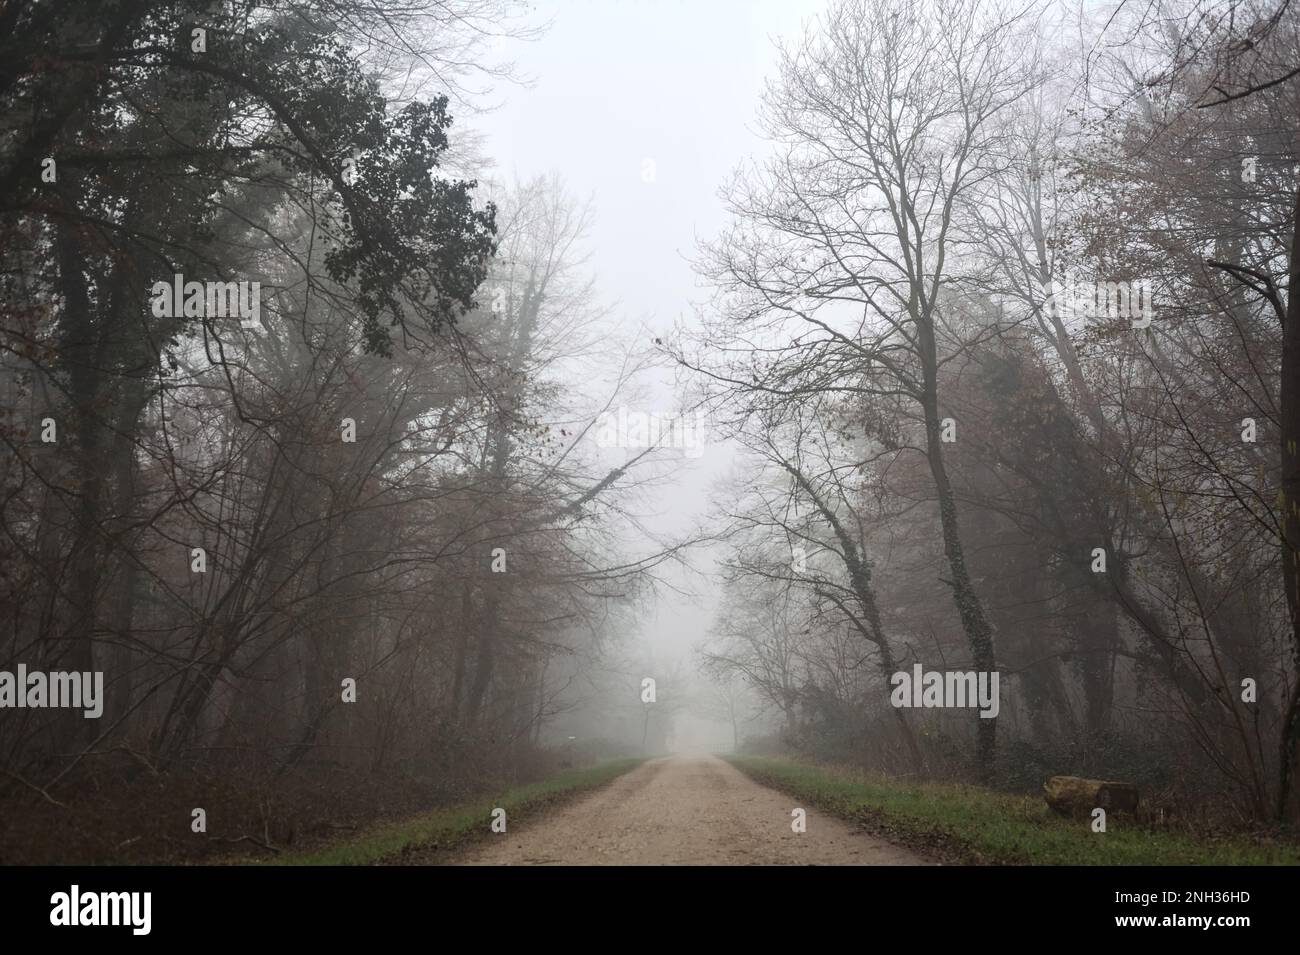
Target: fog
[
  {"x": 656, "y": 404},
  {"x": 606, "y": 89}
]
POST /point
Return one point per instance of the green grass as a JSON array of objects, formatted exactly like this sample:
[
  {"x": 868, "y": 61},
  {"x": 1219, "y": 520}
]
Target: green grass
[
  {"x": 456, "y": 826},
  {"x": 975, "y": 825}
]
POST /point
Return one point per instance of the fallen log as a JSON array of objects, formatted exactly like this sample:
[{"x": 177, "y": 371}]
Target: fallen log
[{"x": 1076, "y": 796}]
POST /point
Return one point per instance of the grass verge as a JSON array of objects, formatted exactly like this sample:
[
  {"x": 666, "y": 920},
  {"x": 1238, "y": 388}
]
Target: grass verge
[
  {"x": 969, "y": 824},
  {"x": 453, "y": 827}
]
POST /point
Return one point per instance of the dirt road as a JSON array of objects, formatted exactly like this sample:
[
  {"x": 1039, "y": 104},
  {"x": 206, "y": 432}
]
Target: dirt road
[{"x": 684, "y": 810}]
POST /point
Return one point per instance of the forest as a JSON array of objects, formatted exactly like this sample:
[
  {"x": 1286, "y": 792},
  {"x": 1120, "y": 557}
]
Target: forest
[{"x": 336, "y": 483}]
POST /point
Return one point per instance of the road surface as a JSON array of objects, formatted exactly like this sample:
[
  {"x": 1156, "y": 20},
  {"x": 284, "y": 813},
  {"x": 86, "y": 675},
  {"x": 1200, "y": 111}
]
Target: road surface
[{"x": 684, "y": 810}]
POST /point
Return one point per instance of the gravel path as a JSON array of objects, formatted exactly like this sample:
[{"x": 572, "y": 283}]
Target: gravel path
[{"x": 684, "y": 810}]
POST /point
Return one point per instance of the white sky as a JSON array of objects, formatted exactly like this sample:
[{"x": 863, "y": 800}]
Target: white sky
[{"x": 617, "y": 83}]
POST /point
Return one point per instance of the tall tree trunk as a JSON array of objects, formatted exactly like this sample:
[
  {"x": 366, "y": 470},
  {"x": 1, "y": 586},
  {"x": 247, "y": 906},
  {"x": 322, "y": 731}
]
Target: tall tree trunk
[
  {"x": 1290, "y": 449},
  {"x": 502, "y": 448},
  {"x": 974, "y": 618},
  {"x": 82, "y": 357},
  {"x": 859, "y": 572}
]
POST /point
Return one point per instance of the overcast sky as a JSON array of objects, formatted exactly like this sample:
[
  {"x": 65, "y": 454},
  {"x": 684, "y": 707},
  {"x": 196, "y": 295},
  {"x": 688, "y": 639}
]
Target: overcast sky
[
  {"x": 618, "y": 85},
  {"x": 622, "y": 82}
]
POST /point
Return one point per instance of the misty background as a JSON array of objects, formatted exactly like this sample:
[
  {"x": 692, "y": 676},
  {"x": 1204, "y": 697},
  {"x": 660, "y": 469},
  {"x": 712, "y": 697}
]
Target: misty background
[{"x": 985, "y": 309}]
